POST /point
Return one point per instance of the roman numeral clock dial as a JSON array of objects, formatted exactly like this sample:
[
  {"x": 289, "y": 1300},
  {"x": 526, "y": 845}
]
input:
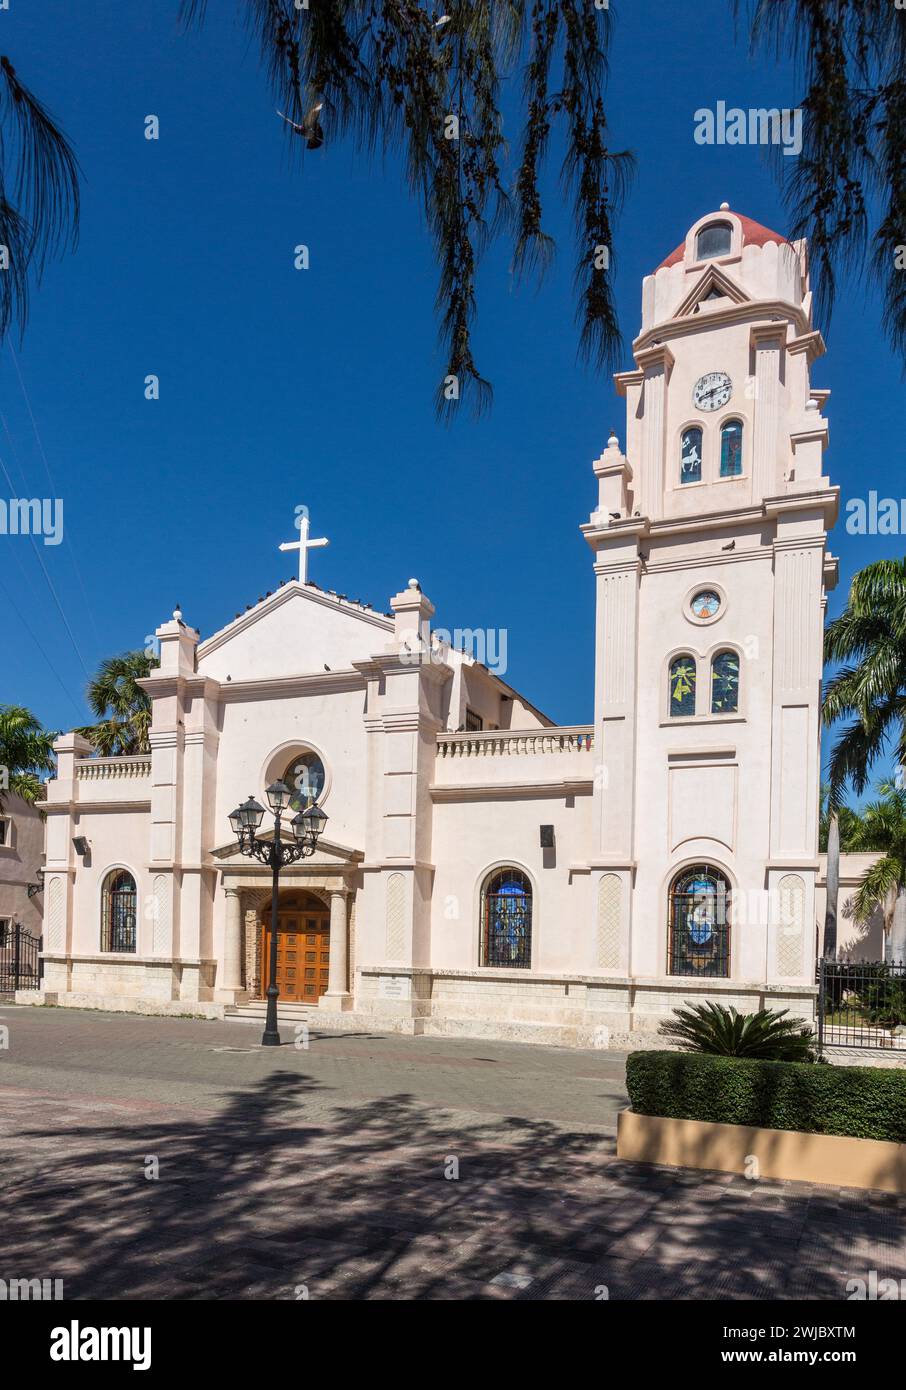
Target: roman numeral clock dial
[{"x": 712, "y": 391}]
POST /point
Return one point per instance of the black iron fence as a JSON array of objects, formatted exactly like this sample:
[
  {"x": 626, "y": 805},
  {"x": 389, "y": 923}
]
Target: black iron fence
[
  {"x": 20, "y": 959},
  {"x": 862, "y": 1004}
]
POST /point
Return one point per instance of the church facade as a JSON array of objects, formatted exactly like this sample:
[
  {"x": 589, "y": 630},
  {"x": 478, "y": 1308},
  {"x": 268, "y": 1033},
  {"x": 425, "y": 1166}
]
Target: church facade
[{"x": 484, "y": 871}]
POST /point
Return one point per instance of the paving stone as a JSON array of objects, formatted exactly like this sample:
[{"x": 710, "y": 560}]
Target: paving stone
[{"x": 324, "y": 1172}]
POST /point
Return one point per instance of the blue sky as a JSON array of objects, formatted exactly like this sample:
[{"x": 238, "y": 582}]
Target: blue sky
[{"x": 281, "y": 387}]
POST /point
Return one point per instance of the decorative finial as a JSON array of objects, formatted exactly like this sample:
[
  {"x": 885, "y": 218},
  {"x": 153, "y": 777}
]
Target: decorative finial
[
  {"x": 414, "y": 584},
  {"x": 613, "y": 442},
  {"x": 177, "y": 614},
  {"x": 725, "y": 207}
]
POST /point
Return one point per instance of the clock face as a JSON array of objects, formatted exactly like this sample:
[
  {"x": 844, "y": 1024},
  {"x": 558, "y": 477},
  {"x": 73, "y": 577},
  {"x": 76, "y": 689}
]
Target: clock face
[{"x": 712, "y": 391}]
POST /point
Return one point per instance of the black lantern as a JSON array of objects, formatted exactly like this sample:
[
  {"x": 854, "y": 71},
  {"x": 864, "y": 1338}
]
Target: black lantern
[
  {"x": 315, "y": 819},
  {"x": 278, "y": 795},
  {"x": 250, "y": 814}
]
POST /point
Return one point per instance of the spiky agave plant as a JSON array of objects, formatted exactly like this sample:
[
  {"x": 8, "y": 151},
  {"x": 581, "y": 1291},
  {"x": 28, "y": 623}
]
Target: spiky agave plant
[{"x": 724, "y": 1032}]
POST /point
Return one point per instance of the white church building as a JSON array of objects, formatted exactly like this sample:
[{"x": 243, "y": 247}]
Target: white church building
[{"x": 484, "y": 871}]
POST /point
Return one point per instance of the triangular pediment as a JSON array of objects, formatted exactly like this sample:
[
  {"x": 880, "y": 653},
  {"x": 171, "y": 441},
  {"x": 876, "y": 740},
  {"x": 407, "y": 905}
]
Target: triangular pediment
[
  {"x": 327, "y": 856},
  {"x": 298, "y": 630},
  {"x": 714, "y": 285}
]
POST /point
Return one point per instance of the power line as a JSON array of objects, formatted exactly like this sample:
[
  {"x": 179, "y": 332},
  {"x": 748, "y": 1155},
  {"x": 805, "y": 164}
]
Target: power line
[
  {"x": 54, "y": 493},
  {"x": 14, "y": 455},
  {"x": 23, "y": 620},
  {"x": 50, "y": 586}
]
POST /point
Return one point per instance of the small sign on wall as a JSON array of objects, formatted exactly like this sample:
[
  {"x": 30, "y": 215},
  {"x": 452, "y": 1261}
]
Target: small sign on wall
[{"x": 395, "y": 987}]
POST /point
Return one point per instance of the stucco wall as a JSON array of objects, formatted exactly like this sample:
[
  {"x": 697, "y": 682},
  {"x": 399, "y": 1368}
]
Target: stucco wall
[
  {"x": 20, "y": 864},
  {"x": 855, "y": 940}
]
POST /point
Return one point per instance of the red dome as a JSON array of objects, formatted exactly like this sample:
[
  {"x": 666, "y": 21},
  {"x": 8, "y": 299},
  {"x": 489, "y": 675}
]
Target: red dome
[{"x": 753, "y": 234}]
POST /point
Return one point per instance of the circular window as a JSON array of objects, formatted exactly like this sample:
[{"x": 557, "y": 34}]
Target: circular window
[
  {"x": 705, "y": 604},
  {"x": 305, "y": 778}
]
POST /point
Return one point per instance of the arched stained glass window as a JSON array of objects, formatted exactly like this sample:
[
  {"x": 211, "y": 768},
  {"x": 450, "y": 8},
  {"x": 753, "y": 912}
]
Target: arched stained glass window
[
  {"x": 731, "y": 449},
  {"x": 699, "y": 930},
  {"x": 714, "y": 240},
  {"x": 682, "y": 685},
  {"x": 506, "y": 920},
  {"x": 118, "y": 912},
  {"x": 725, "y": 683},
  {"x": 691, "y": 456}
]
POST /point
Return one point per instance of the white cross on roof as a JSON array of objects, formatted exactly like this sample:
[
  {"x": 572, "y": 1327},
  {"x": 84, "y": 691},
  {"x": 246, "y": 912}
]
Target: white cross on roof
[{"x": 303, "y": 544}]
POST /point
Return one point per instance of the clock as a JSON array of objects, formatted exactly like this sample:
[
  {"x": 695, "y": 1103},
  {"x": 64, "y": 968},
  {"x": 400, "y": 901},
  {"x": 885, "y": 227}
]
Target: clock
[{"x": 712, "y": 390}]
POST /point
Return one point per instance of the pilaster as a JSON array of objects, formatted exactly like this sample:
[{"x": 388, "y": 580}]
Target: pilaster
[
  {"x": 60, "y": 859},
  {"x": 767, "y": 344},
  {"x": 656, "y": 363}
]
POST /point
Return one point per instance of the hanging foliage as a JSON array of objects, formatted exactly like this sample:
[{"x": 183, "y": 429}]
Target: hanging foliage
[{"x": 398, "y": 74}]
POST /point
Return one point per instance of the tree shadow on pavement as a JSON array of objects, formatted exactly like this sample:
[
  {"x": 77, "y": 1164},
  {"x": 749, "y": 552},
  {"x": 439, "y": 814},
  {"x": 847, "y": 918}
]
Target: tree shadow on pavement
[{"x": 396, "y": 1198}]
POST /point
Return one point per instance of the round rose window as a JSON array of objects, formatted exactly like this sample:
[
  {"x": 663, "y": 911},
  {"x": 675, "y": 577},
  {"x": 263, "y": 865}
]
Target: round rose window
[
  {"x": 305, "y": 777},
  {"x": 705, "y": 604}
]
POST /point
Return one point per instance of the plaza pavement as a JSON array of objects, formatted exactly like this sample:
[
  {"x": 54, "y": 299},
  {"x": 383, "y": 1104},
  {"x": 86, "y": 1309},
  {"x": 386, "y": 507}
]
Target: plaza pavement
[{"x": 327, "y": 1172}]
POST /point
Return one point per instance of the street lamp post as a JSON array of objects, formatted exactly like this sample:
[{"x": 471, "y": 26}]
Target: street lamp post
[{"x": 306, "y": 826}]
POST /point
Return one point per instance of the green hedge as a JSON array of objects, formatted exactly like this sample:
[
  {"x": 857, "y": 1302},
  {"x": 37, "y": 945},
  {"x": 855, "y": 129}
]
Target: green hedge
[{"x": 864, "y": 1102}]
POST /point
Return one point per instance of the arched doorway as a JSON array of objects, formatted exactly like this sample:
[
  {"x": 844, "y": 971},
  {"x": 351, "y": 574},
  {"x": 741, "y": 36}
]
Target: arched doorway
[{"x": 303, "y": 947}]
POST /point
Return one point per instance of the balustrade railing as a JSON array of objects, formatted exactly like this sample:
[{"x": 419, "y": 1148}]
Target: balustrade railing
[
  {"x": 497, "y": 742},
  {"x": 93, "y": 769}
]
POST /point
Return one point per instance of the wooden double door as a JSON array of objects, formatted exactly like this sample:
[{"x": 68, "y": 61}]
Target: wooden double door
[{"x": 303, "y": 948}]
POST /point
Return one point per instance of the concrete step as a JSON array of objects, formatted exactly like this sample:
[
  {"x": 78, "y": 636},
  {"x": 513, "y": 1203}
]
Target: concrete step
[{"x": 256, "y": 1012}]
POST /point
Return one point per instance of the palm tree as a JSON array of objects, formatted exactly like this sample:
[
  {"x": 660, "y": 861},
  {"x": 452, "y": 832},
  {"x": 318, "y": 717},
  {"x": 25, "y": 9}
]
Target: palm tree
[
  {"x": 122, "y": 707},
  {"x": 883, "y": 885},
  {"x": 869, "y": 638},
  {"x": 26, "y": 750},
  {"x": 839, "y": 829},
  {"x": 832, "y": 886},
  {"x": 849, "y": 823}
]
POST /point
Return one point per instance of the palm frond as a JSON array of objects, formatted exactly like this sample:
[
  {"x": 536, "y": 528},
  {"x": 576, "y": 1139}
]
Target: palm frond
[
  {"x": 853, "y": 159},
  {"x": 122, "y": 707},
  {"x": 722, "y": 1031},
  {"x": 26, "y": 751},
  {"x": 876, "y": 885},
  {"x": 391, "y": 78},
  {"x": 39, "y": 192},
  {"x": 869, "y": 689}
]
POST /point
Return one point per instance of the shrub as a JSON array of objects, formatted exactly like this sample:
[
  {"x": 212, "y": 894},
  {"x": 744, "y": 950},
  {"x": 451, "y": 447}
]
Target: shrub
[
  {"x": 884, "y": 1001},
  {"x": 863, "y": 1102},
  {"x": 716, "y": 1029},
  {"x": 843, "y": 978}
]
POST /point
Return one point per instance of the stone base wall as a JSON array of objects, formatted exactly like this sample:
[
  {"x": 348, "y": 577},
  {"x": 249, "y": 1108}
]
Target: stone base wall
[
  {"x": 143, "y": 979},
  {"x": 575, "y": 1010},
  {"x": 564, "y": 1011}
]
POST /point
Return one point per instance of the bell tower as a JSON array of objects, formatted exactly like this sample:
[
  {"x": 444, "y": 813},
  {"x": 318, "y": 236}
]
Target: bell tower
[{"x": 711, "y": 565}]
